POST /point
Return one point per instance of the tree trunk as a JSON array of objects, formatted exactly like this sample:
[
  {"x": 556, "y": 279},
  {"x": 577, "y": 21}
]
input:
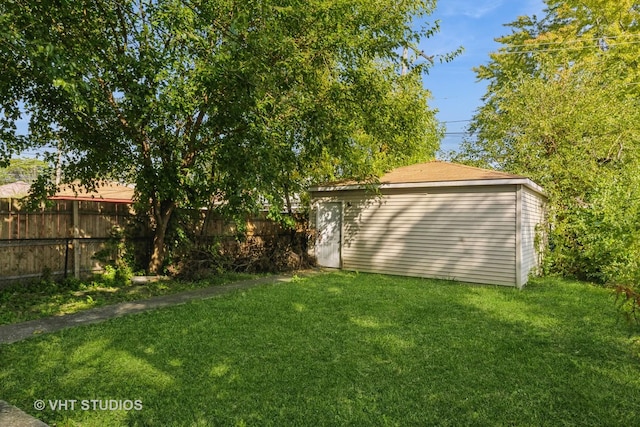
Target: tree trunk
[
  {"x": 157, "y": 255},
  {"x": 162, "y": 217}
]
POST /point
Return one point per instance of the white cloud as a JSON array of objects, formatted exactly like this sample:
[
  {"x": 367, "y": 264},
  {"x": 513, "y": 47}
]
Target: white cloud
[{"x": 470, "y": 8}]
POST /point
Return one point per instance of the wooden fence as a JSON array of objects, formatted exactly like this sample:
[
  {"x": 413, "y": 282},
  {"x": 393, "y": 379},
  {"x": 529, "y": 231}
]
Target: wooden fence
[{"x": 63, "y": 240}]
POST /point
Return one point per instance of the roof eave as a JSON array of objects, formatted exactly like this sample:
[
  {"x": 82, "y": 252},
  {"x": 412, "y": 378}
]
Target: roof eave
[
  {"x": 91, "y": 199},
  {"x": 432, "y": 184}
]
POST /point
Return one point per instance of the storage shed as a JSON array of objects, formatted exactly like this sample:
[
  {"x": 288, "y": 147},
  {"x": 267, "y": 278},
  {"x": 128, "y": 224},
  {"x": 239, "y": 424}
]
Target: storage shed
[{"x": 436, "y": 220}]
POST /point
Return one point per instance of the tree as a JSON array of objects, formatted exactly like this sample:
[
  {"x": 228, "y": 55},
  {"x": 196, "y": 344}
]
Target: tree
[
  {"x": 562, "y": 108},
  {"x": 21, "y": 170},
  {"x": 198, "y": 101}
]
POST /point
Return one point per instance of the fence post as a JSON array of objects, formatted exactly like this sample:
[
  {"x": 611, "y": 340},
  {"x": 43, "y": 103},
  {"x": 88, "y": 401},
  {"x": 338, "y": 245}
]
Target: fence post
[
  {"x": 66, "y": 257},
  {"x": 76, "y": 242}
]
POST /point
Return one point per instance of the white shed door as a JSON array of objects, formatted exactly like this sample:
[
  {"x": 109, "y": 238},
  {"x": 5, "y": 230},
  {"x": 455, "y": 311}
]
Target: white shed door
[{"x": 329, "y": 223}]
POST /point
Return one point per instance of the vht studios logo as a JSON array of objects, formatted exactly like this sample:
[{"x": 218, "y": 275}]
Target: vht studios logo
[{"x": 88, "y": 405}]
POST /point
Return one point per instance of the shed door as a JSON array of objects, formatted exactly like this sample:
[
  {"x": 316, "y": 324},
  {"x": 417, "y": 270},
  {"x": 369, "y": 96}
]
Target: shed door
[{"x": 329, "y": 224}]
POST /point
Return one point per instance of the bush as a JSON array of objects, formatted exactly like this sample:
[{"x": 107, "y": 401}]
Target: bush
[
  {"x": 628, "y": 300},
  {"x": 117, "y": 256},
  {"x": 596, "y": 238}
]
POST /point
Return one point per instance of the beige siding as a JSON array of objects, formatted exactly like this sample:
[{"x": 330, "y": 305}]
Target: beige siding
[
  {"x": 532, "y": 220},
  {"x": 466, "y": 234}
]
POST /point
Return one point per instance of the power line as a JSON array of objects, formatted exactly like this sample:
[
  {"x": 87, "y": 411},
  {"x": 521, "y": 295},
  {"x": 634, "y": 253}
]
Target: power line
[
  {"x": 579, "y": 40},
  {"x": 519, "y": 52}
]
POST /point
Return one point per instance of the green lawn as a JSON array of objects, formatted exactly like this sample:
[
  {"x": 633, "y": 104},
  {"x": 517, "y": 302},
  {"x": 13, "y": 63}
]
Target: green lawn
[
  {"x": 346, "y": 349},
  {"x": 22, "y": 302}
]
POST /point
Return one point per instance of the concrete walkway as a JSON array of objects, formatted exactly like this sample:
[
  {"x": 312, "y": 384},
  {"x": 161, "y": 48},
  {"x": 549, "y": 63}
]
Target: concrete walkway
[
  {"x": 20, "y": 331},
  {"x": 11, "y": 416}
]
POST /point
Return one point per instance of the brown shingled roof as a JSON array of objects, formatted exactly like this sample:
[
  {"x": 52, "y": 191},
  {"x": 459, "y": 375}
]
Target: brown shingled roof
[
  {"x": 438, "y": 171},
  {"x": 433, "y": 174}
]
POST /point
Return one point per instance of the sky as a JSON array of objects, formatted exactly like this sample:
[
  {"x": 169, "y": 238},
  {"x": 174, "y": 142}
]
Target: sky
[{"x": 472, "y": 24}]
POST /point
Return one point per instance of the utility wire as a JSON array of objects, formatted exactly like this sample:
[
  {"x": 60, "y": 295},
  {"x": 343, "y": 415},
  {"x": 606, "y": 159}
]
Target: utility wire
[
  {"x": 564, "y": 49},
  {"x": 579, "y": 40}
]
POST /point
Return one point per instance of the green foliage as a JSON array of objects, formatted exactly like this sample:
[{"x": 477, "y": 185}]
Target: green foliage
[
  {"x": 562, "y": 108},
  {"x": 117, "y": 276},
  {"x": 117, "y": 256},
  {"x": 21, "y": 170},
  {"x": 628, "y": 301},
  {"x": 202, "y": 102}
]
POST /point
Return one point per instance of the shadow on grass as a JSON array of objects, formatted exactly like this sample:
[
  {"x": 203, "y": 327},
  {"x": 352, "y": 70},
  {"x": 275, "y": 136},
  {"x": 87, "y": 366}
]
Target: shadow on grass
[
  {"x": 345, "y": 349},
  {"x": 23, "y": 302}
]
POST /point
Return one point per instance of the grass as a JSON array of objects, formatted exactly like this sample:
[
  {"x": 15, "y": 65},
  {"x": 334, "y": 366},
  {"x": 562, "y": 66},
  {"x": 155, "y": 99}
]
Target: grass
[
  {"x": 22, "y": 302},
  {"x": 346, "y": 349}
]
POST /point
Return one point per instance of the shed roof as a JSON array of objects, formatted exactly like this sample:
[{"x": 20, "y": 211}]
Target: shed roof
[
  {"x": 108, "y": 192},
  {"x": 438, "y": 171},
  {"x": 437, "y": 174}
]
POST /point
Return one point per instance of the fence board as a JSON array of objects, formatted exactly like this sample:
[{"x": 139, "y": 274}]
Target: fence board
[{"x": 32, "y": 243}]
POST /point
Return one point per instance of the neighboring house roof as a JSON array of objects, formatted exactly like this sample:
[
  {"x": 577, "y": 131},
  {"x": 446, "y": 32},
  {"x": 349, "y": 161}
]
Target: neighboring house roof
[
  {"x": 436, "y": 174},
  {"x": 109, "y": 192},
  {"x": 16, "y": 189}
]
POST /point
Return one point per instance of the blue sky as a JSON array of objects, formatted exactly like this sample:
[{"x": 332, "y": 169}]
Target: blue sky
[{"x": 473, "y": 24}]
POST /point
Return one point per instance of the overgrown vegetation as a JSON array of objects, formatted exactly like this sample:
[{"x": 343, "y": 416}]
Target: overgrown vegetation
[
  {"x": 346, "y": 349},
  {"x": 628, "y": 300},
  {"x": 201, "y": 243},
  {"x": 255, "y": 254},
  {"x": 118, "y": 255}
]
